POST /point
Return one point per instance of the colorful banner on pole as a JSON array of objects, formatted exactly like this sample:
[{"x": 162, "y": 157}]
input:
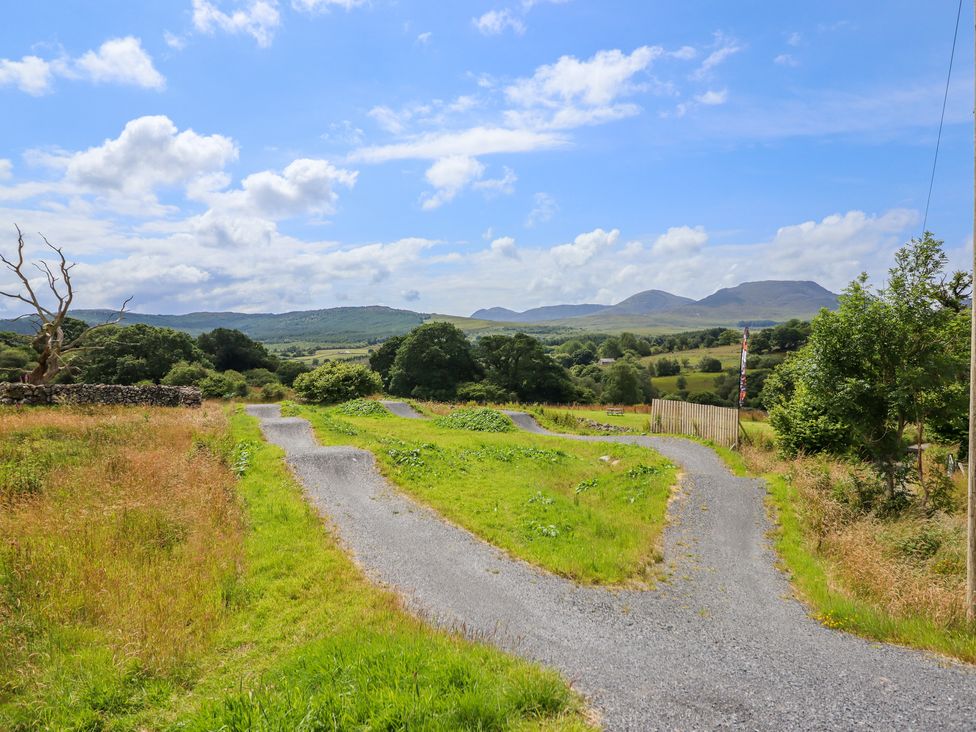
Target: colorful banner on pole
[{"x": 742, "y": 366}]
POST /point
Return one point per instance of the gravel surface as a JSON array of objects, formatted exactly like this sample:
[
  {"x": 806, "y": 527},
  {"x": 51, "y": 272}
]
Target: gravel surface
[
  {"x": 720, "y": 644},
  {"x": 401, "y": 409}
]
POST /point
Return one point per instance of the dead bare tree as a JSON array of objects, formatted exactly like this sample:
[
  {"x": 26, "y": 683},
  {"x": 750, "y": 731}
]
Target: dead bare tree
[{"x": 49, "y": 341}]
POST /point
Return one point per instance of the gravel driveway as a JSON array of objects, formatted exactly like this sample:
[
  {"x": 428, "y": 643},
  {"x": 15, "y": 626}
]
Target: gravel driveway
[{"x": 721, "y": 644}]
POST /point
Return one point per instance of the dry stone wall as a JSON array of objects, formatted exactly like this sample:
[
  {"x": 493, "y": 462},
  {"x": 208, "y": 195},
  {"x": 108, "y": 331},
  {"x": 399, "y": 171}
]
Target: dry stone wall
[{"x": 149, "y": 396}]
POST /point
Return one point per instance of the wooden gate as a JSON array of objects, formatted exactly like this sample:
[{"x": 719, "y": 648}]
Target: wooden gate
[{"x": 718, "y": 424}]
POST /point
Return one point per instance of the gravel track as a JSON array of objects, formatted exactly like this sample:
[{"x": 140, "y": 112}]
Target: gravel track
[{"x": 720, "y": 644}]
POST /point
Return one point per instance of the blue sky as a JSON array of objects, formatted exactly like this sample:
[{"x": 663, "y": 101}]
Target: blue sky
[{"x": 268, "y": 155}]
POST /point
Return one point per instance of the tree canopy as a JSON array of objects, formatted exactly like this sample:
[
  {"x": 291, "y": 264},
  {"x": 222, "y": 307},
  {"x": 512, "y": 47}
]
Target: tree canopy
[{"x": 430, "y": 363}]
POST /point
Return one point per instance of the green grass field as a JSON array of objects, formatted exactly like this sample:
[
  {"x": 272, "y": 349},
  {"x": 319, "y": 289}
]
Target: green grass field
[
  {"x": 696, "y": 382},
  {"x": 550, "y": 501},
  {"x": 296, "y": 637}
]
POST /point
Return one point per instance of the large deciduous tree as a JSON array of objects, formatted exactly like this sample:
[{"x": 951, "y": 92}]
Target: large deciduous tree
[
  {"x": 55, "y": 338},
  {"x": 432, "y": 360},
  {"x": 520, "y": 365},
  {"x": 885, "y": 359}
]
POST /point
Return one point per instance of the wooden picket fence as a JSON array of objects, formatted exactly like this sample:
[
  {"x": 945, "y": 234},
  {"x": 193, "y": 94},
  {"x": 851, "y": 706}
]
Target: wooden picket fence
[{"x": 718, "y": 424}]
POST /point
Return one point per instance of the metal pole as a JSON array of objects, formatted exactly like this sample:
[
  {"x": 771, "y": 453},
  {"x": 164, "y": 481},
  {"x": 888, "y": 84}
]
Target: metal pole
[{"x": 971, "y": 468}]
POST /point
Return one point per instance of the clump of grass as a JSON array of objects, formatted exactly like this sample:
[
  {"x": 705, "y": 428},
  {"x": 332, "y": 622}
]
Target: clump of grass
[
  {"x": 363, "y": 408},
  {"x": 476, "y": 420}
]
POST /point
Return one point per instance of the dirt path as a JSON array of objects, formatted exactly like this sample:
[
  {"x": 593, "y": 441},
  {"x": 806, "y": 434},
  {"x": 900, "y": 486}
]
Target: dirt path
[{"x": 721, "y": 644}]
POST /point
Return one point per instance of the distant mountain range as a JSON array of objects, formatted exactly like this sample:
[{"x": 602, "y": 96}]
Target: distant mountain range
[
  {"x": 769, "y": 300},
  {"x": 651, "y": 311}
]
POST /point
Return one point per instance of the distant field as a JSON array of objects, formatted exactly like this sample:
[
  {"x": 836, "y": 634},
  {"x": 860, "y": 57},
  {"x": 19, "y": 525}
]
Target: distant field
[
  {"x": 697, "y": 382},
  {"x": 728, "y": 355},
  {"x": 337, "y": 354}
]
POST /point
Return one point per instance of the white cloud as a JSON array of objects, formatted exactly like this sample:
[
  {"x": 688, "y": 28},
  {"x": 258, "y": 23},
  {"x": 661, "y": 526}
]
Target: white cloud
[
  {"x": 495, "y": 22},
  {"x": 726, "y": 48},
  {"x": 121, "y": 61},
  {"x": 794, "y": 39},
  {"x": 149, "y": 153},
  {"x": 595, "y": 82},
  {"x": 259, "y": 20},
  {"x": 304, "y": 187},
  {"x": 505, "y": 247},
  {"x": 679, "y": 240},
  {"x": 6, "y": 169},
  {"x": 544, "y": 209},
  {"x": 471, "y": 142},
  {"x": 583, "y": 248},
  {"x": 498, "y": 186},
  {"x": 449, "y": 176},
  {"x": 177, "y": 43},
  {"x": 786, "y": 59},
  {"x": 31, "y": 74},
  {"x": 410, "y": 295},
  {"x": 424, "y": 38},
  {"x": 685, "y": 53},
  {"x": 713, "y": 97}
]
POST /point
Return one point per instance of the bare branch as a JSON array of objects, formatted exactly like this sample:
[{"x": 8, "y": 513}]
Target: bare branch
[{"x": 73, "y": 345}]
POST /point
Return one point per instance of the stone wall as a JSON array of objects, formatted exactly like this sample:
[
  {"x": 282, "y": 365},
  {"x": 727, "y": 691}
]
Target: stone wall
[{"x": 150, "y": 396}]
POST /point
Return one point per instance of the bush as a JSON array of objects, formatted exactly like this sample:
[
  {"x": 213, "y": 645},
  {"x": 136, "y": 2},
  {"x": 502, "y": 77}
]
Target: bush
[
  {"x": 224, "y": 385},
  {"x": 710, "y": 365},
  {"x": 335, "y": 381},
  {"x": 363, "y": 408},
  {"x": 476, "y": 420},
  {"x": 288, "y": 371},
  {"x": 483, "y": 393},
  {"x": 260, "y": 377},
  {"x": 185, "y": 374},
  {"x": 273, "y": 392}
]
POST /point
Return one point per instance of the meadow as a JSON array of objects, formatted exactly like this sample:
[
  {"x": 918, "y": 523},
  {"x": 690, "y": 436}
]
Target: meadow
[
  {"x": 160, "y": 569},
  {"x": 592, "y": 512}
]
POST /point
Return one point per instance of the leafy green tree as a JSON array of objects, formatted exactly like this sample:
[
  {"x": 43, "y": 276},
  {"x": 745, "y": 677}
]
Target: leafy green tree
[
  {"x": 381, "y": 360},
  {"x": 185, "y": 374},
  {"x": 125, "y": 355},
  {"x": 483, "y": 392},
  {"x": 622, "y": 384},
  {"x": 337, "y": 381},
  {"x": 288, "y": 371},
  {"x": 231, "y": 349},
  {"x": 886, "y": 359},
  {"x": 667, "y": 367},
  {"x": 610, "y": 348},
  {"x": 432, "y": 360},
  {"x": 710, "y": 365},
  {"x": 224, "y": 385},
  {"x": 260, "y": 377},
  {"x": 520, "y": 365}
]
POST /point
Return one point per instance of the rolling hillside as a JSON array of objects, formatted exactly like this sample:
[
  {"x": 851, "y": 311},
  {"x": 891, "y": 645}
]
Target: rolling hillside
[{"x": 651, "y": 311}]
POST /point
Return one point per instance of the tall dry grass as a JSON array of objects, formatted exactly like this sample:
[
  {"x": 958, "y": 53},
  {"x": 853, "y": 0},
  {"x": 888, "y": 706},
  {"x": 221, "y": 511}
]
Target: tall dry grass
[
  {"x": 119, "y": 524},
  {"x": 911, "y": 564}
]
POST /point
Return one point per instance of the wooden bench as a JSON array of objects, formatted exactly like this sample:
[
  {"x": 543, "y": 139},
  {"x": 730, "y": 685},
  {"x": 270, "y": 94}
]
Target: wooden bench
[{"x": 615, "y": 412}]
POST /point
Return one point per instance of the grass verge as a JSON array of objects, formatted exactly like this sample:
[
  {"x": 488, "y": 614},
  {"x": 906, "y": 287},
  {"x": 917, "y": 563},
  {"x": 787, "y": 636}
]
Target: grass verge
[{"x": 592, "y": 512}]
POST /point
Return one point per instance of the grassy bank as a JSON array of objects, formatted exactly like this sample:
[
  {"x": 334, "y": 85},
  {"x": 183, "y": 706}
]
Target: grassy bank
[
  {"x": 258, "y": 620},
  {"x": 552, "y": 502},
  {"x": 898, "y": 579}
]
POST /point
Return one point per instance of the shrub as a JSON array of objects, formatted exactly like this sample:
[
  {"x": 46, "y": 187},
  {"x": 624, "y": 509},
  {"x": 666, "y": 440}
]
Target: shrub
[
  {"x": 260, "y": 377},
  {"x": 483, "y": 392},
  {"x": 185, "y": 374},
  {"x": 273, "y": 392},
  {"x": 288, "y": 371},
  {"x": 363, "y": 408},
  {"x": 476, "y": 420},
  {"x": 335, "y": 381},
  {"x": 710, "y": 365},
  {"x": 224, "y": 385}
]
